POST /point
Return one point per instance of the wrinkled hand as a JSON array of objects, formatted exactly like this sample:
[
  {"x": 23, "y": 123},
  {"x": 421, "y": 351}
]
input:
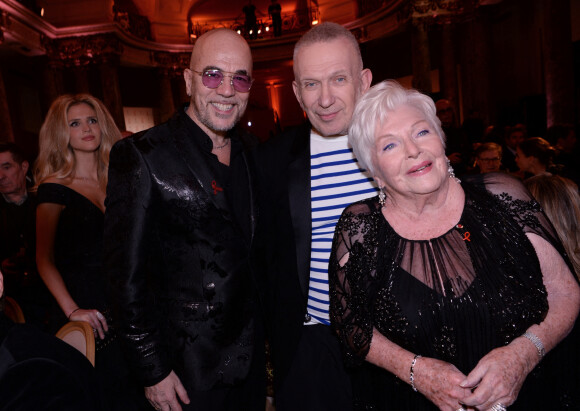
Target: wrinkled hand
[
  {"x": 162, "y": 395},
  {"x": 94, "y": 318},
  {"x": 439, "y": 382},
  {"x": 498, "y": 377}
]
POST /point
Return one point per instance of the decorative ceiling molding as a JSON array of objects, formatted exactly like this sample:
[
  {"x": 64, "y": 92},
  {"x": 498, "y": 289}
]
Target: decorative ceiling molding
[
  {"x": 171, "y": 63},
  {"x": 384, "y": 21},
  {"x": 28, "y": 33},
  {"x": 84, "y": 50}
]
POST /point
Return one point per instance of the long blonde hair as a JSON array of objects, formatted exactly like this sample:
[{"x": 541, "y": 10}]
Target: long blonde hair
[
  {"x": 560, "y": 200},
  {"x": 56, "y": 158}
]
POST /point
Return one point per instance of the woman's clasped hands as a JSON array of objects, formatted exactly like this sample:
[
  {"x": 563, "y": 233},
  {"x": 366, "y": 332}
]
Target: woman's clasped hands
[
  {"x": 440, "y": 382},
  {"x": 499, "y": 376},
  {"x": 492, "y": 385}
]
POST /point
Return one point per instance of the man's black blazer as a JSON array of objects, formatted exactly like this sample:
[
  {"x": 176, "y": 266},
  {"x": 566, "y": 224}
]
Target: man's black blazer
[
  {"x": 177, "y": 241},
  {"x": 283, "y": 239}
]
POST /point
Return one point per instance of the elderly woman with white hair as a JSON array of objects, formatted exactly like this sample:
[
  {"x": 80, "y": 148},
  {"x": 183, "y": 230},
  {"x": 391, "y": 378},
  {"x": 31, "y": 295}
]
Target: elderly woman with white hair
[{"x": 453, "y": 290}]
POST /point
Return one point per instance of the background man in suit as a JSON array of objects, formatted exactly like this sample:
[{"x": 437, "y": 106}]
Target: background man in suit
[
  {"x": 18, "y": 237},
  {"x": 308, "y": 175},
  {"x": 178, "y": 227}
]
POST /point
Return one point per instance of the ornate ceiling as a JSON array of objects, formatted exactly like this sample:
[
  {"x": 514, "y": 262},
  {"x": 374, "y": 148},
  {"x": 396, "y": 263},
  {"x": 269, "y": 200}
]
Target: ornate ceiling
[
  {"x": 160, "y": 33},
  {"x": 169, "y": 20},
  {"x": 31, "y": 27}
]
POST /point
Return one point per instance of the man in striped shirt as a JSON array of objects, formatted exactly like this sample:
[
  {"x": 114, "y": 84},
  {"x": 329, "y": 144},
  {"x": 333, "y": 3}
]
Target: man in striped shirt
[{"x": 308, "y": 176}]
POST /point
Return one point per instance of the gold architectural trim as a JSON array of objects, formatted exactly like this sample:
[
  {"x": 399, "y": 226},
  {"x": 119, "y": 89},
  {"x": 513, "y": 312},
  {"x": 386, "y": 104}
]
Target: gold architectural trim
[{"x": 30, "y": 34}]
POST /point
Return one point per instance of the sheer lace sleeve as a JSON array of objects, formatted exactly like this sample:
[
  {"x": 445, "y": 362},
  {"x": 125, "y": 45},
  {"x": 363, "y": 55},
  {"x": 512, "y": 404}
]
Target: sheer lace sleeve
[
  {"x": 523, "y": 207},
  {"x": 350, "y": 270}
]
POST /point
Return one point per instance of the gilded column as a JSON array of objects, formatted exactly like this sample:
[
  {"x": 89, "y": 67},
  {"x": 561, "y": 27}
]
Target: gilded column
[
  {"x": 558, "y": 63},
  {"x": 52, "y": 82},
  {"x": 448, "y": 68},
  {"x": 6, "y": 132},
  {"x": 170, "y": 69},
  {"x": 81, "y": 78},
  {"x": 181, "y": 96},
  {"x": 166, "y": 103},
  {"x": 83, "y": 54},
  {"x": 421, "y": 57},
  {"x": 111, "y": 90},
  {"x": 476, "y": 90}
]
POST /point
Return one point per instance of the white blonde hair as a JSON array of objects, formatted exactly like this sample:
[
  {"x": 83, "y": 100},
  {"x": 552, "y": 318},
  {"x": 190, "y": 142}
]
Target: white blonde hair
[{"x": 373, "y": 109}]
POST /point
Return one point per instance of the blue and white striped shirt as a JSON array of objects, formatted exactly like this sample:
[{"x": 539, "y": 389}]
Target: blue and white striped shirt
[{"x": 335, "y": 182}]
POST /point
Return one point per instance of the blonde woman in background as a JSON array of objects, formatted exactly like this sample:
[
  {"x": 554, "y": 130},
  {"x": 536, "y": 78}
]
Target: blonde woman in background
[
  {"x": 71, "y": 176},
  {"x": 559, "y": 198}
]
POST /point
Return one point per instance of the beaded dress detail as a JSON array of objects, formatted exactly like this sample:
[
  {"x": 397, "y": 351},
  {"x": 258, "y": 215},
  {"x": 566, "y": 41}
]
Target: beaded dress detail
[{"x": 455, "y": 297}]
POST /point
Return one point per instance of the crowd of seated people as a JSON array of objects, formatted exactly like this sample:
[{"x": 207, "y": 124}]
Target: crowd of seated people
[
  {"x": 548, "y": 166},
  {"x": 472, "y": 150}
]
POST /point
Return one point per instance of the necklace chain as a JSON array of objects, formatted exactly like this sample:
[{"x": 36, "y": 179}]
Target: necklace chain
[{"x": 223, "y": 145}]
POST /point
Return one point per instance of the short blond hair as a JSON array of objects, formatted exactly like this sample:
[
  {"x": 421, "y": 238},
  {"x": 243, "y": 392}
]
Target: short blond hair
[{"x": 327, "y": 32}]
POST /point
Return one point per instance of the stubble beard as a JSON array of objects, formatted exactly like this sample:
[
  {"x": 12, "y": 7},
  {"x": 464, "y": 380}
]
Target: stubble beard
[{"x": 205, "y": 117}]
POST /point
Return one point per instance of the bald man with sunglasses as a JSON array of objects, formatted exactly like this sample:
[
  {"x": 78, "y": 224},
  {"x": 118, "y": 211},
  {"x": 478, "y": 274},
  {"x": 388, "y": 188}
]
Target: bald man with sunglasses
[{"x": 178, "y": 227}]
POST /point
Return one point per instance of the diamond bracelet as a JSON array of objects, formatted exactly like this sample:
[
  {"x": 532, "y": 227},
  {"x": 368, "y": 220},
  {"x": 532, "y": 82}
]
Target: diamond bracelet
[{"x": 537, "y": 342}]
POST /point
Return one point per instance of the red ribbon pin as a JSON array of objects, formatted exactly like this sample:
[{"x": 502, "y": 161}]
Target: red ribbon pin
[
  {"x": 215, "y": 187},
  {"x": 466, "y": 236}
]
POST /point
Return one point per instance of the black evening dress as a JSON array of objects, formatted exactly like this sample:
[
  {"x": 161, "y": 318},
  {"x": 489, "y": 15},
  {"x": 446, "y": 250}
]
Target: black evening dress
[
  {"x": 455, "y": 297},
  {"x": 78, "y": 256}
]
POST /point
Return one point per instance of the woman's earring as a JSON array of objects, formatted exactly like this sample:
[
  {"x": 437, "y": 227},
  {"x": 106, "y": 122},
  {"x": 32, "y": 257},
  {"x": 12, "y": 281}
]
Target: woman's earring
[
  {"x": 382, "y": 197},
  {"x": 451, "y": 172}
]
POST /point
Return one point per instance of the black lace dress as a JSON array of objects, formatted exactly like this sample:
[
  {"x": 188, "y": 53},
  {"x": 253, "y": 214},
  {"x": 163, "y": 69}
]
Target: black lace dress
[{"x": 455, "y": 297}]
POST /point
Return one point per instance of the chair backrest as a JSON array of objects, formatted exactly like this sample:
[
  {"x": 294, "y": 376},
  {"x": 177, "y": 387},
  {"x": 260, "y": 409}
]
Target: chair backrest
[
  {"x": 80, "y": 335},
  {"x": 12, "y": 310}
]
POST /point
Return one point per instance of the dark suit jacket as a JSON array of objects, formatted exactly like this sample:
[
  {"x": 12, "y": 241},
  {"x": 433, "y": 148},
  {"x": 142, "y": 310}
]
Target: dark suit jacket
[
  {"x": 508, "y": 160},
  {"x": 283, "y": 239},
  {"x": 178, "y": 228},
  {"x": 41, "y": 372}
]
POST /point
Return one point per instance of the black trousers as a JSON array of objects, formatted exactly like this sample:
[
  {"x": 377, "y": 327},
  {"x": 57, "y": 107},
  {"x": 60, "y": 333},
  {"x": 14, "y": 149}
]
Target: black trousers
[
  {"x": 317, "y": 379},
  {"x": 248, "y": 395}
]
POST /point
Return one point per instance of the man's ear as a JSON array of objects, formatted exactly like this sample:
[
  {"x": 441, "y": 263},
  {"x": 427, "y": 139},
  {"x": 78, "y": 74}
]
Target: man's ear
[
  {"x": 297, "y": 93},
  {"x": 187, "y": 73},
  {"x": 366, "y": 78},
  {"x": 25, "y": 166}
]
